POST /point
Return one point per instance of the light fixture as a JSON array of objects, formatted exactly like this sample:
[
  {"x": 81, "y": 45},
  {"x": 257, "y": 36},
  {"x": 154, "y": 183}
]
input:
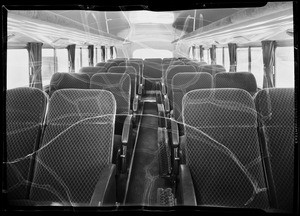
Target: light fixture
[{"x": 151, "y": 17}]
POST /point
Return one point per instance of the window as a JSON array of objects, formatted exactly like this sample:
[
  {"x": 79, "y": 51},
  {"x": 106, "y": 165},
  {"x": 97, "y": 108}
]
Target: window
[
  {"x": 242, "y": 59},
  {"x": 205, "y": 56},
  {"x": 284, "y": 67},
  {"x": 62, "y": 60},
  {"x": 219, "y": 56},
  {"x": 95, "y": 56},
  {"x": 197, "y": 53},
  {"x": 98, "y": 56},
  {"x": 257, "y": 66},
  {"x": 85, "y": 57},
  {"x": 48, "y": 65},
  {"x": 226, "y": 59},
  {"x": 191, "y": 53},
  {"x": 77, "y": 59},
  {"x": 152, "y": 53},
  {"x": 17, "y": 68},
  {"x": 208, "y": 56}
]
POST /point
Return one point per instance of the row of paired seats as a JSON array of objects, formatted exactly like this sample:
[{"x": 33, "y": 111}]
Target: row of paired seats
[
  {"x": 148, "y": 72},
  {"x": 120, "y": 84},
  {"x": 60, "y": 151},
  {"x": 232, "y": 144},
  {"x": 178, "y": 84},
  {"x": 236, "y": 150}
]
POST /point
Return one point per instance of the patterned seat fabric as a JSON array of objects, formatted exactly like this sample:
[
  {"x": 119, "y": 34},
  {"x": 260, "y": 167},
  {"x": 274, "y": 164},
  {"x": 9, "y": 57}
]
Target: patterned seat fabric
[
  {"x": 133, "y": 74},
  {"x": 119, "y": 85},
  {"x": 212, "y": 69},
  {"x": 25, "y": 113},
  {"x": 171, "y": 72},
  {"x": 242, "y": 80},
  {"x": 183, "y": 83},
  {"x": 117, "y": 61},
  {"x": 138, "y": 68},
  {"x": 156, "y": 60},
  {"x": 107, "y": 65},
  {"x": 76, "y": 147},
  {"x": 178, "y": 62},
  {"x": 92, "y": 70},
  {"x": 275, "y": 107},
  {"x": 69, "y": 80},
  {"x": 152, "y": 70},
  {"x": 222, "y": 148}
]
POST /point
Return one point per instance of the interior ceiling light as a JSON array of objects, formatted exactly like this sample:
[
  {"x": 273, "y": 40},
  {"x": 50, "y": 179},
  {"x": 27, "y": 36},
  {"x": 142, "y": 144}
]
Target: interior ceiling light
[{"x": 151, "y": 17}]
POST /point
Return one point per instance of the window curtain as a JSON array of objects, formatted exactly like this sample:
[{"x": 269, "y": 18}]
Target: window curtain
[
  {"x": 268, "y": 49},
  {"x": 201, "y": 53},
  {"x": 232, "y": 47},
  {"x": 91, "y": 55},
  {"x": 213, "y": 54},
  {"x": 115, "y": 49},
  {"x": 111, "y": 52},
  {"x": 71, "y": 57},
  {"x": 103, "y": 53},
  {"x": 193, "y": 52},
  {"x": 35, "y": 64}
]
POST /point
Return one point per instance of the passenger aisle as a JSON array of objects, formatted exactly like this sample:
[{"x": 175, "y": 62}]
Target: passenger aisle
[{"x": 144, "y": 180}]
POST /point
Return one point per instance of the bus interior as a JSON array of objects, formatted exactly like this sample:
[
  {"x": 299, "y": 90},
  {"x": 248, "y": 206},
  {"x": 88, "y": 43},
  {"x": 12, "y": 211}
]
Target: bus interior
[{"x": 142, "y": 108}]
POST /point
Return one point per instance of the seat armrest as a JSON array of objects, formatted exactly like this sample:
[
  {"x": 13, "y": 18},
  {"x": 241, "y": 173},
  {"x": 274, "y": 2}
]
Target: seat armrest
[
  {"x": 135, "y": 104},
  {"x": 140, "y": 89},
  {"x": 167, "y": 103},
  {"x": 159, "y": 99},
  {"x": 186, "y": 187},
  {"x": 163, "y": 88},
  {"x": 161, "y": 116},
  {"x": 105, "y": 190},
  {"x": 126, "y": 129},
  {"x": 175, "y": 133}
]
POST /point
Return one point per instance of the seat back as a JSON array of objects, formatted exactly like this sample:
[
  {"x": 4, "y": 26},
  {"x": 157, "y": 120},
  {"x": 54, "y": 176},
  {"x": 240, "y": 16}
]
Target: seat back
[
  {"x": 152, "y": 70},
  {"x": 100, "y": 64},
  {"x": 137, "y": 66},
  {"x": 222, "y": 148},
  {"x": 178, "y": 62},
  {"x": 166, "y": 60},
  {"x": 107, "y": 65},
  {"x": 25, "y": 112},
  {"x": 92, "y": 70},
  {"x": 117, "y": 60},
  {"x": 172, "y": 71},
  {"x": 275, "y": 107},
  {"x": 212, "y": 69},
  {"x": 76, "y": 147},
  {"x": 133, "y": 74},
  {"x": 119, "y": 85},
  {"x": 185, "y": 82},
  {"x": 242, "y": 80},
  {"x": 69, "y": 80},
  {"x": 156, "y": 60}
]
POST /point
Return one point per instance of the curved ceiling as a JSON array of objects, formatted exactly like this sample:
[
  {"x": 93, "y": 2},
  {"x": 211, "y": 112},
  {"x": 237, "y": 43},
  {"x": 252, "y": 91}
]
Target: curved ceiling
[{"x": 151, "y": 29}]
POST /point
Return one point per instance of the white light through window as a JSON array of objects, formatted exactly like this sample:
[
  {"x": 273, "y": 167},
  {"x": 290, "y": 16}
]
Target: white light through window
[
  {"x": 151, "y": 17},
  {"x": 152, "y": 53}
]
